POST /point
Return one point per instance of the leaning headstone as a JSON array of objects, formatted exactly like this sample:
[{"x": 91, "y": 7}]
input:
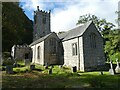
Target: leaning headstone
[
  {"x": 117, "y": 69},
  {"x": 111, "y": 70},
  {"x": 101, "y": 73}
]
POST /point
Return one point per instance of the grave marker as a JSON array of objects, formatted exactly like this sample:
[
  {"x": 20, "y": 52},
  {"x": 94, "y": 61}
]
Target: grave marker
[
  {"x": 111, "y": 70},
  {"x": 117, "y": 69}
]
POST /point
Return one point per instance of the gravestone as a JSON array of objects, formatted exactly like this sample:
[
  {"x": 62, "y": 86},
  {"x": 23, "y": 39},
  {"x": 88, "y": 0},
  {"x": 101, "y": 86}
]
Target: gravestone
[
  {"x": 60, "y": 66},
  {"x": 9, "y": 66},
  {"x": 117, "y": 69},
  {"x": 9, "y": 69},
  {"x": 101, "y": 73},
  {"x": 15, "y": 64},
  {"x": 27, "y": 62},
  {"x": 74, "y": 69},
  {"x": 50, "y": 70},
  {"x": 32, "y": 67},
  {"x": 111, "y": 70},
  {"x": 46, "y": 66}
]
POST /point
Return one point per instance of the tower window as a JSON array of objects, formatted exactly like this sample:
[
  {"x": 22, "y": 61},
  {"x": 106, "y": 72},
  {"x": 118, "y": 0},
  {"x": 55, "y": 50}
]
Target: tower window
[{"x": 44, "y": 19}]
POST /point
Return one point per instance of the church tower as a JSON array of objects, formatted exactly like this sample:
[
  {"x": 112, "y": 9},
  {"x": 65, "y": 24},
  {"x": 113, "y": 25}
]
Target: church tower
[{"x": 41, "y": 24}]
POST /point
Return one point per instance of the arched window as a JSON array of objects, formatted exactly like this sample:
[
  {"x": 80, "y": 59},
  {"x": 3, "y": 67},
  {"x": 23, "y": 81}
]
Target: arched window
[
  {"x": 93, "y": 40},
  {"x": 38, "y": 52},
  {"x": 74, "y": 49},
  {"x": 53, "y": 44}
]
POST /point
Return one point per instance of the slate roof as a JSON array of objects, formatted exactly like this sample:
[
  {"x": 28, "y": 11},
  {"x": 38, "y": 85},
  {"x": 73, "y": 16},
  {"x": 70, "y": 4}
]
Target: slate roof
[
  {"x": 41, "y": 39},
  {"x": 78, "y": 31}
]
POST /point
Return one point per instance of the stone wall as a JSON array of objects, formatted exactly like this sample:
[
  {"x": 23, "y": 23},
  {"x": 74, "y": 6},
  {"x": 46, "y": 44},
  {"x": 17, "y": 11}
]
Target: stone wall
[
  {"x": 56, "y": 57},
  {"x": 35, "y": 53},
  {"x": 69, "y": 59},
  {"x": 20, "y": 52},
  {"x": 93, "y": 56}
]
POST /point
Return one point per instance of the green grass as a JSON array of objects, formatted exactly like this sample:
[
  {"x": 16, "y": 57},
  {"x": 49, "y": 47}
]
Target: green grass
[{"x": 60, "y": 78}]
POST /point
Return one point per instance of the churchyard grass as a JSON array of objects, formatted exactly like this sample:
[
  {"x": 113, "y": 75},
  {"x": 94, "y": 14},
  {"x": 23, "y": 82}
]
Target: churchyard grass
[{"x": 60, "y": 78}]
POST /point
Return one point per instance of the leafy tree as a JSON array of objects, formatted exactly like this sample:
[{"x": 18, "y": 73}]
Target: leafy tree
[
  {"x": 101, "y": 24},
  {"x": 112, "y": 45},
  {"x": 16, "y": 27},
  {"x": 118, "y": 19}
]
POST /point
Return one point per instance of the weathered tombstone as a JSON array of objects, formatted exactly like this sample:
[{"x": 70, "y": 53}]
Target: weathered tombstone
[
  {"x": 46, "y": 66},
  {"x": 9, "y": 66},
  {"x": 117, "y": 69},
  {"x": 32, "y": 67},
  {"x": 60, "y": 66},
  {"x": 15, "y": 64},
  {"x": 9, "y": 69},
  {"x": 101, "y": 73},
  {"x": 111, "y": 70},
  {"x": 74, "y": 69},
  {"x": 50, "y": 70},
  {"x": 27, "y": 62}
]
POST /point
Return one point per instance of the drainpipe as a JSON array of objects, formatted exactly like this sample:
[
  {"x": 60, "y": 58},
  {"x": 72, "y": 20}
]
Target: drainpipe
[
  {"x": 34, "y": 54},
  {"x": 78, "y": 55}
]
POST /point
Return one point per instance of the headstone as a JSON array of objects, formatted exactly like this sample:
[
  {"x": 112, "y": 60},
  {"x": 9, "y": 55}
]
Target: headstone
[
  {"x": 27, "y": 62},
  {"x": 32, "y": 67},
  {"x": 46, "y": 66},
  {"x": 60, "y": 66},
  {"x": 9, "y": 69},
  {"x": 15, "y": 64},
  {"x": 101, "y": 73},
  {"x": 117, "y": 69},
  {"x": 111, "y": 70},
  {"x": 50, "y": 71},
  {"x": 74, "y": 69}
]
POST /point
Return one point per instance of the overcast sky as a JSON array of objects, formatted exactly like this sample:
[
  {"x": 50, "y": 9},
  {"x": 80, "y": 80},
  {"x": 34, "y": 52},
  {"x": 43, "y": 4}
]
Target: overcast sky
[{"x": 65, "y": 13}]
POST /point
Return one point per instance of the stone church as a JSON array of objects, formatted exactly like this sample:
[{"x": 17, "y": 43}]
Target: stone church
[{"x": 81, "y": 46}]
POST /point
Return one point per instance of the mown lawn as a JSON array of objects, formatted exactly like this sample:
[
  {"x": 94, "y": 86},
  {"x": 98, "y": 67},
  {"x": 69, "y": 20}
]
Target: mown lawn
[{"x": 60, "y": 78}]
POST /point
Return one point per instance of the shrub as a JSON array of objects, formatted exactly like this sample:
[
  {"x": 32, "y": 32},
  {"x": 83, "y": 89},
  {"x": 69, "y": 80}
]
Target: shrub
[
  {"x": 8, "y": 61},
  {"x": 6, "y": 55}
]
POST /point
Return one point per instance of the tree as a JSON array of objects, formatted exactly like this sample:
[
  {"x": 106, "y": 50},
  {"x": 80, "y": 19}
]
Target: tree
[
  {"x": 16, "y": 27},
  {"x": 118, "y": 19},
  {"x": 101, "y": 24},
  {"x": 112, "y": 45}
]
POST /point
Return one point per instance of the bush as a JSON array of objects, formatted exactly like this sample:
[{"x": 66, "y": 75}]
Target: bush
[
  {"x": 8, "y": 61},
  {"x": 6, "y": 55}
]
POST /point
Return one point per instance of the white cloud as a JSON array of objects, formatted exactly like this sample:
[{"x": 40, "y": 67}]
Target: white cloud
[{"x": 65, "y": 17}]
